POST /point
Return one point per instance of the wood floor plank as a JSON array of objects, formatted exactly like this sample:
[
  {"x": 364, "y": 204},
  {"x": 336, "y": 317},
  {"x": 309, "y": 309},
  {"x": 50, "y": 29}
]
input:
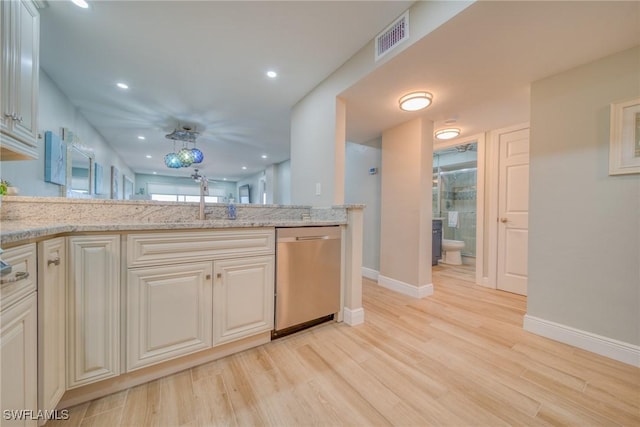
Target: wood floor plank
[{"x": 459, "y": 357}]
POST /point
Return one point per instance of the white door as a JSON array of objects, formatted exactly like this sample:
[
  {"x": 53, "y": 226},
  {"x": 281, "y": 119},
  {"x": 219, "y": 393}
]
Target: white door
[{"x": 513, "y": 210}]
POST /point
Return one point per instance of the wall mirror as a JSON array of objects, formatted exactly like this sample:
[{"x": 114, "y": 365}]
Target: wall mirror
[
  {"x": 244, "y": 193},
  {"x": 81, "y": 172}
]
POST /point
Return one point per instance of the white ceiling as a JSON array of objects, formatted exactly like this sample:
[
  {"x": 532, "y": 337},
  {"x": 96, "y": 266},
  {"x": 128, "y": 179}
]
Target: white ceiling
[
  {"x": 204, "y": 63},
  {"x": 480, "y": 64},
  {"x": 201, "y": 63}
]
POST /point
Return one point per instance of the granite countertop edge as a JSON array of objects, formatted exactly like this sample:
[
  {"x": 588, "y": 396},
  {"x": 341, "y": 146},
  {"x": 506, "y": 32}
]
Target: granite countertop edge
[{"x": 17, "y": 231}]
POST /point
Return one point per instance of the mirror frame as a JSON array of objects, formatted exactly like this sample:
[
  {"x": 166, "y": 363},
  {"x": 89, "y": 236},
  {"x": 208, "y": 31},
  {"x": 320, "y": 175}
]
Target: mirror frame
[{"x": 68, "y": 189}]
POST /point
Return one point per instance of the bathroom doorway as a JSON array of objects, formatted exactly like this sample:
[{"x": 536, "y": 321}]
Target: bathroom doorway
[{"x": 454, "y": 203}]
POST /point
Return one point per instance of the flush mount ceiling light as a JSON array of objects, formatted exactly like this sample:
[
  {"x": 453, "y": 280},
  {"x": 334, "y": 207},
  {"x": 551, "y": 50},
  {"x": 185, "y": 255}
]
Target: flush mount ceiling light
[
  {"x": 80, "y": 3},
  {"x": 122, "y": 85},
  {"x": 447, "y": 133},
  {"x": 415, "y": 101},
  {"x": 272, "y": 74}
]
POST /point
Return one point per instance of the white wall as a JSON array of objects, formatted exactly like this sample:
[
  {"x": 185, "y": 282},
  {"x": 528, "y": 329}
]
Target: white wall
[
  {"x": 254, "y": 187},
  {"x": 282, "y": 187},
  {"x": 318, "y": 120},
  {"x": 363, "y": 188},
  {"x": 405, "y": 212},
  {"x": 55, "y": 111},
  {"x": 584, "y": 225}
]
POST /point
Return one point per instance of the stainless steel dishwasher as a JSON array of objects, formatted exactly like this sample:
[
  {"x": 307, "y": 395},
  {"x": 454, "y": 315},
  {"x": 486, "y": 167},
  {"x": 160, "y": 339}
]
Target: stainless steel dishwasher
[{"x": 307, "y": 277}]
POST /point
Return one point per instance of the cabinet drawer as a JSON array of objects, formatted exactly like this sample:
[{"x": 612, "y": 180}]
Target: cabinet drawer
[
  {"x": 176, "y": 247},
  {"x": 23, "y": 277}
]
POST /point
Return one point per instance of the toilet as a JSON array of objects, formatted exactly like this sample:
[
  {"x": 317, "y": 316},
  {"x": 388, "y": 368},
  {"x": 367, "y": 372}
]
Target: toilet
[{"x": 452, "y": 249}]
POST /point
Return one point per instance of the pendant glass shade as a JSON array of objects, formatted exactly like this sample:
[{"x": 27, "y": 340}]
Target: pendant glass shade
[
  {"x": 198, "y": 157},
  {"x": 172, "y": 161},
  {"x": 186, "y": 157}
]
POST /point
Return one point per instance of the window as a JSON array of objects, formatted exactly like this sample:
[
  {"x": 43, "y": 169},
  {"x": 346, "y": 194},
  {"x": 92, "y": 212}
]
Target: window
[
  {"x": 184, "y": 198},
  {"x": 184, "y": 192}
]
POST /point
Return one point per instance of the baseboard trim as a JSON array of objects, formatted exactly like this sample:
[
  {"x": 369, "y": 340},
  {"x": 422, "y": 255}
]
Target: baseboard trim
[
  {"x": 353, "y": 317},
  {"x": 405, "y": 288},
  {"x": 604, "y": 346},
  {"x": 370, "y": 273}
]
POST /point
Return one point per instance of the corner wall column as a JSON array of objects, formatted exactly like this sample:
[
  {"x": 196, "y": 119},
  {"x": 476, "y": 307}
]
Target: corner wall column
[{"x": 405, "y": 215}]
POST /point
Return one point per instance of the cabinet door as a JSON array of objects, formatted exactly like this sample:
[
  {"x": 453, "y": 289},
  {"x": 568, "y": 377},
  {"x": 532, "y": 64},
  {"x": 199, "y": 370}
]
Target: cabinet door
[
  {"x": 242, "y": 298},
  {"x": 169, "y": 312},
  {"x": 18, "y": 342},
  {"x": 51, "y": 322},
  {"x": 93, "y": 303},
  {"x": 20, "y": 68},
  {"x": 7, "y": 24},
  {"x": 27, "y": 68}
]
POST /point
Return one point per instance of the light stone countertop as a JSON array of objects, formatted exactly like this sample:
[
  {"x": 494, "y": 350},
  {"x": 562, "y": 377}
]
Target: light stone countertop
[
  {"x": 18, "y": 231},
  {"x": 28, "y": 218}
]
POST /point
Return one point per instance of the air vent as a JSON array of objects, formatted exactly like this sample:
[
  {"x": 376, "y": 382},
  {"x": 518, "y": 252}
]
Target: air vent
[{"x": 392, "y": 36}]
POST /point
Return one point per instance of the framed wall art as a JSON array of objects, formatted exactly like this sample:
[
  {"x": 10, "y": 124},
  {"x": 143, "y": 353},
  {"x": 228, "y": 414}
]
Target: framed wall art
[
  {"x": 55, "y": 159},
  {"x": 624, "y": 144},
  {"x": 115, "y": 188}
]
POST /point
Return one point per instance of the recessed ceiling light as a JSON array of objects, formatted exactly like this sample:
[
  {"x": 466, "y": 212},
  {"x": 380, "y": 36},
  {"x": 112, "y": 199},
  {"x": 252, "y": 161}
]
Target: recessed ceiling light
[
  {"x": 224, "y": 179},
  {"x": 447, "y": 133},
  {"x": 142, "y": 138},
  {"x": 148, "y": 156},
  {"x": 264, "y": 156},
  {"x": 122, "y": 85},
  {"x": 415, "y": 101},
  {"x": 80, "y": 3},
  {"x": 155, "y": 173},
  {"x": 272, "y": 74},
  {"x": 244, "y": 168}
]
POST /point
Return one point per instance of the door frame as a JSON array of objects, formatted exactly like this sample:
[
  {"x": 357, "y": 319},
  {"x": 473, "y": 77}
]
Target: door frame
[
  {"x": 493, "y": 178},
  {"x": 480, "y": 141}
]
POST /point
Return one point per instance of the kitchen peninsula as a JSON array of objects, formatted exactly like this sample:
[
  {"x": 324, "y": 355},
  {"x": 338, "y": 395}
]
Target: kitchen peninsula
[{"x": 129, "y": 291}]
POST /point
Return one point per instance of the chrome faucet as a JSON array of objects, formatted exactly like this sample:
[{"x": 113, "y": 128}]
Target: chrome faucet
[{"x": 204, "y": 190}]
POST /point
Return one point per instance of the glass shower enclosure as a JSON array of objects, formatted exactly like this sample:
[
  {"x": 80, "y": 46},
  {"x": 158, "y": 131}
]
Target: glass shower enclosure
[{"x": 454, "y": 193}]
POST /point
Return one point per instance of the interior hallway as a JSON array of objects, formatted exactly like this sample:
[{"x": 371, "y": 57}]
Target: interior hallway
[{"x": 459, "y": 357}]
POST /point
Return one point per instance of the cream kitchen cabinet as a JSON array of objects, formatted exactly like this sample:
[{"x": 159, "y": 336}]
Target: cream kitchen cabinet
[
  {"x": 169, "y": 312},
  {"x": 20, "y": 32},
  {"x": 243, "y": 298},
  {"x": 93, "y": 309},
  {"x": 52, "y": 278},
  {"x": 189, "y": 291},
  {"x": 18, "y": 337},
  {"x": 18, "y": 348}
]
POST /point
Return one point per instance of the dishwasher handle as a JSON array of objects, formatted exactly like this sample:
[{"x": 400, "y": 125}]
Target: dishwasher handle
[
  {"x": 325, "y": 237},
  {"x": 306, "y": 238}
]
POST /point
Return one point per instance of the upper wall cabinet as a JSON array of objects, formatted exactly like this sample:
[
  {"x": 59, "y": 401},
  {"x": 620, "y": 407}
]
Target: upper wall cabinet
[{"x": 20, "y": 31}]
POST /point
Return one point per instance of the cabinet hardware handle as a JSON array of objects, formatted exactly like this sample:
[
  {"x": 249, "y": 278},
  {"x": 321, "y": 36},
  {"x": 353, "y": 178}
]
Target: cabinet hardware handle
[
  {"x": 219, "y": 276},
  {"x": 19, "y": 119},
  {"x": 54, "y": 261},
  {"x": 208, "y": 277},
  {"x": 9, "y": 116},
  {"x": 18, "y": 276},
  {"x": 503, "y": 220}
]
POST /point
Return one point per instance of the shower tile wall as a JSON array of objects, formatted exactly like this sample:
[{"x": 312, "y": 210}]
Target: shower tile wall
[{"x": 459, "y": 194}]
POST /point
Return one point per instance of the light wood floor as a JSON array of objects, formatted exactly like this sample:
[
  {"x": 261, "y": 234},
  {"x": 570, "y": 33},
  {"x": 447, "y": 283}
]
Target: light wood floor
[{"x": 459, "y": 358}]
